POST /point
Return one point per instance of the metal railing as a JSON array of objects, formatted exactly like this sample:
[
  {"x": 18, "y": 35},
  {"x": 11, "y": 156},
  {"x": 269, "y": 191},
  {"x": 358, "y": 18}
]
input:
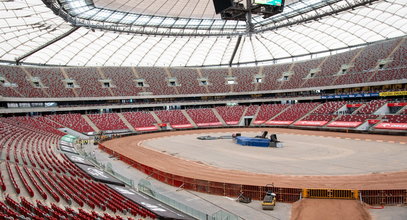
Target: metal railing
[
  {"x": 330, "y": 193},
  {"x": 107, "y": 167},
  {"x": 146, "y": 187}
]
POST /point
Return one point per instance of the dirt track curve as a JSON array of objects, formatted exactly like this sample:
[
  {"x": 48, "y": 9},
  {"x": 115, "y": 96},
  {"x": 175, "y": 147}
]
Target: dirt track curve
[{"x": 133, "y": 147}]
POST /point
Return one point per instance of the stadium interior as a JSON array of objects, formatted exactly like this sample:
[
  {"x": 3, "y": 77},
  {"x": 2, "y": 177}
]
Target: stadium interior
[{"x": 76, "y": 72}]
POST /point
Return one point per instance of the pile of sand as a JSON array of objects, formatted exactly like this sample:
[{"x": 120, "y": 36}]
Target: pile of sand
[{"x": 332, "y": 209}]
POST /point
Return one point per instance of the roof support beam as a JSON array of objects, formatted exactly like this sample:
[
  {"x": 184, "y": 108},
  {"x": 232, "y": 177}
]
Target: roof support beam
[
  {"x": 249, "y": 23},
  {"x": 235, "y": 50},
  {"x": 18, "y": 59},
  {"x": 317, "y": 16}
]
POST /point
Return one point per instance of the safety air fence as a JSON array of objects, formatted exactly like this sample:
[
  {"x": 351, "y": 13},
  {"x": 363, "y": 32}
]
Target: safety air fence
[{"x": 289, "y": 195}]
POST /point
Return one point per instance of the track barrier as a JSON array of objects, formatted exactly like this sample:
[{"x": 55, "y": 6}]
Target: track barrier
[
  {"x": 384, "y": 197},
  {"x": 146, "y": 187},
  {"x": 330, "y": 193},
  {"x": 289, "y": 195}
]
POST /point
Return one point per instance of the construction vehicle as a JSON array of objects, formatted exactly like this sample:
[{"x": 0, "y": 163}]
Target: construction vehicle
[
  {"x": 243, "y": 199},
  {"x": 269, "y": 200}
]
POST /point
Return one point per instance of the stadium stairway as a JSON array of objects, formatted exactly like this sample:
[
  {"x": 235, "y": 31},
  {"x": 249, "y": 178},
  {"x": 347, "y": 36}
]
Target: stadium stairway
[
  {"x": 219, "y": 117},
  {"x": 35, "y": 173},
  {"x": 87, "y": 119},
  {"x": 254, "y": 116},
  {"x": 357, "y": 110},
  {"x": 31, "y": 77},
  {"x": 73, "y": 132},
  {"x": 155, "y": 117},
  {"x": 18, "y": 198},
  {"x": 401, "y": 110},
  {"x": 242, "y": 118},
  {"x": 334, "y": 119},
  {"x": 275, "y": 116},
  {"x": 67, "y": 77},
  {"x": 53, "y": 121},
  {"x": 102, "y": 74},
  {"x": 371, "y": 128},
  {"x": 125, "y": 121},
  {"x": 389, "y": 56},
  {"x": 189, "y": 118},
  {"x": 318, "y": 68},
  {"x": 310, "y": 112},
  {"x": 351, "y": 62}
]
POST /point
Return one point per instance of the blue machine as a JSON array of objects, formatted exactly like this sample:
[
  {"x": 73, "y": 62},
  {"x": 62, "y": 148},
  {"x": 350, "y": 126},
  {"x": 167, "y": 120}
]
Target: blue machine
[{"x": 256, "y": 142}]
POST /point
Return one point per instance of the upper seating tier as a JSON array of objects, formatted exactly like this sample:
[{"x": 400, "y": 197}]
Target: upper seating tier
[{"x": 350, "y": 67}]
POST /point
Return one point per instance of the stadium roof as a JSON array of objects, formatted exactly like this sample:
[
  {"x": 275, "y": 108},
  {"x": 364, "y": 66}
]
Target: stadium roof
[
  {"x": 187, "y": 33},
  {"x": 167, "y": 8}
]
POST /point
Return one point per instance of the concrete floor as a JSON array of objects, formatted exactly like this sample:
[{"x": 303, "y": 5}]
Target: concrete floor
[
  {"x": 389, "y": 213},
  {"x": 301, "y": 154}
]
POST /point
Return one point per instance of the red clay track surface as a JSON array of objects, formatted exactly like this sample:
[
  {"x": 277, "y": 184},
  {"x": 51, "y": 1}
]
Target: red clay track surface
[
  {"x": 132, "y": 147},
  {"x": 322, "y": 209}
]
